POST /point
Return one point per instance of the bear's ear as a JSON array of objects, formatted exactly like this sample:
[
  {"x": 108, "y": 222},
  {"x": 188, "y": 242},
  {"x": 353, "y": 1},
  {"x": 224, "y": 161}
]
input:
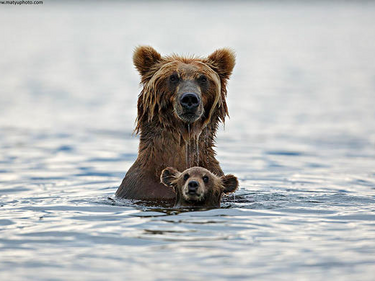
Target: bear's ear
[
  {"x": 168, "y": 175},
  {"x": 230, "y": 183},
  {"x": 222, "y": 61},
  {"x": 144, "y": 58}
]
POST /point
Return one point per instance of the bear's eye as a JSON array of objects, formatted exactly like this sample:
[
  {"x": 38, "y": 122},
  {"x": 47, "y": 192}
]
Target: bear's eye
[
  {"x": 205, "y": 179},
  {"x": 186, "y": 176},
  {"x": 173, "y": 78},
  {"x": 203, "y": 79}
]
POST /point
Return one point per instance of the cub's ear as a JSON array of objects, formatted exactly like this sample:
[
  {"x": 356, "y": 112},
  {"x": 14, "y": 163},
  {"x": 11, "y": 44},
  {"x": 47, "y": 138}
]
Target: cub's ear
[
  {"x": 144, "y": 58},
  {"x": 230, "y": 183},
  {"x": 222, "y": 61},
  {"x": 168, "y": 175}
]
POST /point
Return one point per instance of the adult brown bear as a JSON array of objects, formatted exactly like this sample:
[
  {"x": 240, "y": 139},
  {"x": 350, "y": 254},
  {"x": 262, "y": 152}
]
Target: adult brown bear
[{"x": 179, "y": 110}]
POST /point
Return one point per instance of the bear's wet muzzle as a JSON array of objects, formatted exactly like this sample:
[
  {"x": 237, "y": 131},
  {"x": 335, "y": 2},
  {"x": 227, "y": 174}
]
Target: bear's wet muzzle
[{"x": 189, "y": 106}]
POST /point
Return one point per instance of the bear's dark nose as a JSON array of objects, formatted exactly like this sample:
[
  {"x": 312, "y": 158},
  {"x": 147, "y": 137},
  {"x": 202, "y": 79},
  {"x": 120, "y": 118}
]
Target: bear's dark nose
[
  {"x": 189, "y": 101},
  {"x": 192, "y": 187}
]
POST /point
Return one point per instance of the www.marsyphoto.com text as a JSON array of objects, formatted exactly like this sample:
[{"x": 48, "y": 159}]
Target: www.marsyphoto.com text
[{"x": 21, "y": 2}]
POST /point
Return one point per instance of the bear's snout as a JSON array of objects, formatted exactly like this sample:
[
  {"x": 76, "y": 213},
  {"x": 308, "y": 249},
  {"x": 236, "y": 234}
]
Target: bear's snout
[
  {"x": 190, "y": 101},
  {"x": 193, "y": 187},
  {"x": 189, "y": 105}
]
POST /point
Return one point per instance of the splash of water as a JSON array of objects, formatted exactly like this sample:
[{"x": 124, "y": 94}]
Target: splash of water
[
  {"x": 187, "y": 144},
  {"x": 197, "y": 148},
  {"x": 192, "y": 149},
  {"x": 206, "y": 144}
]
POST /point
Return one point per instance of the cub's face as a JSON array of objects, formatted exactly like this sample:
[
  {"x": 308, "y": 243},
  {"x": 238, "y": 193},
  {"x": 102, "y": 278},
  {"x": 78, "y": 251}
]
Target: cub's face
[
  {"x": 198, "y": 187},
  {"x": 185, "y": 89}
]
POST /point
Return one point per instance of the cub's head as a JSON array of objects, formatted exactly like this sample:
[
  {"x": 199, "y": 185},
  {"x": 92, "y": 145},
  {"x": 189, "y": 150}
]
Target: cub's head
[
  {"x": 198, "y": 187},
  {"x": 182, "y": 90}
]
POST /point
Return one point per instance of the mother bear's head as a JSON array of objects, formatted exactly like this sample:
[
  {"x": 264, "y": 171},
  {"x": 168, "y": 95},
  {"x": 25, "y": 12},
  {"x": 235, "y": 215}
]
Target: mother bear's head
[{"x": 180, "y": 91}]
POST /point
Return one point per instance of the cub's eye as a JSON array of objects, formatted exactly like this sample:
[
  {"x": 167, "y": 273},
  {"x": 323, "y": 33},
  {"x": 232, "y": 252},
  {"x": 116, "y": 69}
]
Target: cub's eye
[
  {"x": 173, "y": 78},
  {"x": 205, "y": 179},
  {"x": 203, "y": 79},
  {"x": 186, "y": 176}
]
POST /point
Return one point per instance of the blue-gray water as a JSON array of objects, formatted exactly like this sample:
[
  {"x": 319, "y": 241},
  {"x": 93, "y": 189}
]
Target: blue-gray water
[{"x": 301, "y": 139}]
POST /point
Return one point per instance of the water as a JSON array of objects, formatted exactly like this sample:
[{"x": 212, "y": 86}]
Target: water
[
  {"x": 301, "y": 140},
  {"x": 188, "y": 152}
]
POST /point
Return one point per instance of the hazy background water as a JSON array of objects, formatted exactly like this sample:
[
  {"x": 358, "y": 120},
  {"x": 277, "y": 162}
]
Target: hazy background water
[{"x": 301, "y": 139}]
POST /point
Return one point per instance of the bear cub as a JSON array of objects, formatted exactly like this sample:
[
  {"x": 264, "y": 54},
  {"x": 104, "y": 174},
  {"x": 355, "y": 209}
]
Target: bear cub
[{"x": 198, "y": 187}]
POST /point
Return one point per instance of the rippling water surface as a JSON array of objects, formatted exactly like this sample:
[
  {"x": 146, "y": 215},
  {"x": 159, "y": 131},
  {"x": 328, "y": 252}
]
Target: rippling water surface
[{"x": 301, "y": 139}]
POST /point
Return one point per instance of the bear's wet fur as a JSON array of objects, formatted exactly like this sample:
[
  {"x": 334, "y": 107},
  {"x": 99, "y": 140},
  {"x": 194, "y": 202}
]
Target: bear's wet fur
[
  {"x": 197, "y": 187},
  {"x": 181, "y": 104}
]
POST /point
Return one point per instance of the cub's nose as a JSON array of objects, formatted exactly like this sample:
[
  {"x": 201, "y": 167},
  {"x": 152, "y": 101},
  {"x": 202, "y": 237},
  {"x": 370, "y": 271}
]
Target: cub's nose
[
  {"x": 189, "y": 101},
  {"x": 192, "y": 187}
]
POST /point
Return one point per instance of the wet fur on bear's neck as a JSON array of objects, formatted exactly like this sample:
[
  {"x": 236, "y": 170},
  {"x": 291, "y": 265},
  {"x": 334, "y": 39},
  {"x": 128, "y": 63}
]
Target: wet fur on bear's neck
[{"x": 164, "y": 138}]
